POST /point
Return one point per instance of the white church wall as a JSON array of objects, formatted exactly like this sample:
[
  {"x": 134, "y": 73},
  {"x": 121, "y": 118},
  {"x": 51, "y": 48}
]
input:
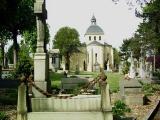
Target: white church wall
[{"x": 94, "y": 51}]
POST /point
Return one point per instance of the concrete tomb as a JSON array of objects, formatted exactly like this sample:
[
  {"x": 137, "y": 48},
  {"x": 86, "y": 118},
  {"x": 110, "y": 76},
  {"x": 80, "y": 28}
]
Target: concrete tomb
[{"x": 131, "y": 92}]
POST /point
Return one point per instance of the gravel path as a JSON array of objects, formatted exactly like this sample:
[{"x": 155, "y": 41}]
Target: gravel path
[
  {"x": 140, "y": 111},
  {"x": 10, "y": 110}
]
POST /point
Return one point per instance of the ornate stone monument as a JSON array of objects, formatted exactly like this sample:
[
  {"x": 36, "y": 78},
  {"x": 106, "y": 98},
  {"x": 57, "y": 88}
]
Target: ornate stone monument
[
  {"x": 142, "y": 70},
  {"x": 41, "y": 57},
  {"x": 132, "y": 68}
]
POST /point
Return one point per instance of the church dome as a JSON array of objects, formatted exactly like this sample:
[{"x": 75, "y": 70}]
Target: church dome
[{"x": 94, "y": 29}]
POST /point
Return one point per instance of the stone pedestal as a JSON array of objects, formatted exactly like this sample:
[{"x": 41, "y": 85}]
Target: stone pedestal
[{"x": 40, "y": 73}]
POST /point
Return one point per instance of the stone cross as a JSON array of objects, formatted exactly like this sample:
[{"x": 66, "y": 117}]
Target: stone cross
[{"x": 41, "y": 16}]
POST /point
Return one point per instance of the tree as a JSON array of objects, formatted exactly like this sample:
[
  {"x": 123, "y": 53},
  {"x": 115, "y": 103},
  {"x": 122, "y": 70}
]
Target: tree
[
  {"x": 124, "y": 49},
  {"x": 17, "y": 17},
  {"x": 116, "y": 58},
  {"x": 4, "y": 37},
  {"x": 67, "y": 41},
  {"x": 30, "y": 38}
]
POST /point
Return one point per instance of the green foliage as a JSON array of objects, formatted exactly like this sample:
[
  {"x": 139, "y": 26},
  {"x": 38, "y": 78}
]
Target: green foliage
[
  {"x": 157, "y": 73},
  {"x": 112, "y": 78},
  {"x": 25, "y": 63},
  {"x": 147, "y": 34},
  {"x": 24, "y": 67},
  {"x": 116, "y": 58},
  {"x": 67, "y": 41},
  {"x": 120, "y": 108},
  {"x": 10, "y": 54},
  {"x": 17, "y": 17},
  {"x": 30, "y": 38},
  {"x": 149, "y": 89},
  {"x": 3, "y": 116},
  {"x": 125, "y": 68}
]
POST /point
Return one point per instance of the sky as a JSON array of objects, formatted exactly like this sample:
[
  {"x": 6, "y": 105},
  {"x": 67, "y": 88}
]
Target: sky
[{"x": 116, "y": 20}]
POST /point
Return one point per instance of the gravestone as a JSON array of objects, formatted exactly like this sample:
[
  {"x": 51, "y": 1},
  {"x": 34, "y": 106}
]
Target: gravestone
[
  {"x": 142, "y": 72},
  {"x": 71, "y": 83},
  {"x": 131, "y": 92}
]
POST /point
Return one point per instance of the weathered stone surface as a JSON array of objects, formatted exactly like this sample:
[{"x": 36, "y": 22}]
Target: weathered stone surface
[
  {"x": 71, "y": 83},
  {"x": 131, "y": 92},
  {"x": 22, "y": 104},
  {"x": 42, "y": 85},
  {"x": 66, "y": 116},
  {"x": 130, "y": 86},
  {"x": 79, "y": 104},
  {"x": 134, "y": 99},
  {"x": 39, "y": 7}
]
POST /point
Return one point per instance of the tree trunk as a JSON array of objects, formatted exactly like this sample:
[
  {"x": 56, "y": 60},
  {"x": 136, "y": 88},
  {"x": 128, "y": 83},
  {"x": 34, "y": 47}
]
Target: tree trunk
[
  {"x": 67, "y": 64},
  {"x": 2, "y": 52},
  {"x": 15, "y": 48}
]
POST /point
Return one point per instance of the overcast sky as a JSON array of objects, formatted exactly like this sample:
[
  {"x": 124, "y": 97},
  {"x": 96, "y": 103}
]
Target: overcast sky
[{"x": 116, "y": 20}]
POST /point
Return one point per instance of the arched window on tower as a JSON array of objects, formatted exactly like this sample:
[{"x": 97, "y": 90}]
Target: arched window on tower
[
  {"x": 94, "y": 37},
  {"x": 89, "y": 37},
  {"x": 99, "y": 37}
]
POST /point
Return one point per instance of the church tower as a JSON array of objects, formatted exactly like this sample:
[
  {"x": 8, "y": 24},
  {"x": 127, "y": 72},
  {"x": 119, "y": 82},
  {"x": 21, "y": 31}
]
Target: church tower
[
  {"x": 94, "y": 37},
  {"x": 94, "y": 32}
]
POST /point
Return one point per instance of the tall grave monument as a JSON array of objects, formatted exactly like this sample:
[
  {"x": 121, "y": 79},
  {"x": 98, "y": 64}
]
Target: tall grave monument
[
  {"x": 41, "y": 56},
  {"x": 132, "y": 68},
  {"x": 142, "y": 73}
]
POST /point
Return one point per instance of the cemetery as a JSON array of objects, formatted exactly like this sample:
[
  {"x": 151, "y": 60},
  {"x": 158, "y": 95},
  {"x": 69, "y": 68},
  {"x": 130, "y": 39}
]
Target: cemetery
[{"x": 74, "y": 80}]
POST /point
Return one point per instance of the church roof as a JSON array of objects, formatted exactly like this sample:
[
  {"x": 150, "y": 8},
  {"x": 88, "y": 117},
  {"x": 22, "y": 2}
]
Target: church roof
[
  {"x": 94, "y": 29},
  {"x": 95, "y": 43},
  {"x": 99, "y": 44},
  {"x": 106, "y": 44}
]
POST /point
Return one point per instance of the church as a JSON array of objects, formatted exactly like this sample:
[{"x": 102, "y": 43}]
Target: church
[{"x": 94, "y": 54}]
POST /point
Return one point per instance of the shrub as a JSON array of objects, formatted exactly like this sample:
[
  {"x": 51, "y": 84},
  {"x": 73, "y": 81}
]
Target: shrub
[
  {"x": 149, "y": 89},
  {"x": 24, "y": 67},
  {"x": 120, "y": 108},
  {"x": 125, "y": 68},
  {"x": 3, "y": 116},
  {"x": 157, "y": 73}
]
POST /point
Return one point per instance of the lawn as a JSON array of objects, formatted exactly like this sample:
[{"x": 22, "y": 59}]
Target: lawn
[{"x": 112, "y": 78}]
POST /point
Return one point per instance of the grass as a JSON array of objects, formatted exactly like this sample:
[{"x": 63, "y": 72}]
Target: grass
[
  {"x": 112, "y": 79},
  {"x": 55, "y": 79}
]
